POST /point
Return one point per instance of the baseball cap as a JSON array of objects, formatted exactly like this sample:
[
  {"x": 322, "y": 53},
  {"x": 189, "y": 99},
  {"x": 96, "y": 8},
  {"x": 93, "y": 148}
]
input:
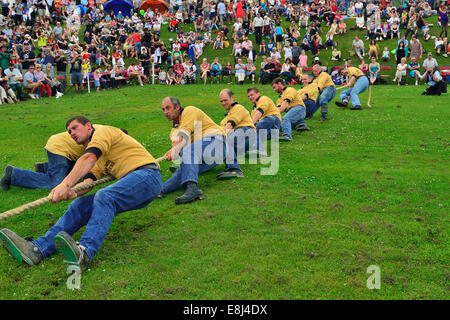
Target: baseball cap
[{"x": 316, "y": 58}]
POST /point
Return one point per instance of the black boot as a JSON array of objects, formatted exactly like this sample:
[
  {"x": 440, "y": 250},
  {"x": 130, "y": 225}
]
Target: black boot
[
  {"x": 192, "y": 193},
  {"x": 342, "y": 104},
  {"x": 6, "y": 179}
]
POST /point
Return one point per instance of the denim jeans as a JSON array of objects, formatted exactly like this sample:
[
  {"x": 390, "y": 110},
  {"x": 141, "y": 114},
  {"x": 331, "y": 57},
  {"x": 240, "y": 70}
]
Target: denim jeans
[
  {"x": 196, "y": 158},
  {"x": 97, "y": 211},
  {"x": 238, "y": 142},
  {"x": 325, "y": 97},
  {"x": 360, "y": 85},
  {"x": 293, "y": 117},
  {"x": 311, "y": 108},
  {"x": 57, "y": 169},
  {"x": 268, "y": 124}
]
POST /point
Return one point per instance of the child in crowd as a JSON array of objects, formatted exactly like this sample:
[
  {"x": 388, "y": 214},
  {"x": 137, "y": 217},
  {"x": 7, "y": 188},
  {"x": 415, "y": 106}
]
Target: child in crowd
[
  {"x": 385, "y": 56},
  {"x": 162, "y": 76}
]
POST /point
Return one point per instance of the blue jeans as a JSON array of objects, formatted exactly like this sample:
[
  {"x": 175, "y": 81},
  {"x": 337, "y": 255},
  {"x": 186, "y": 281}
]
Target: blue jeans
[
  {"x": 293, "y": 117},
  {"x": 268, "y": 123},
  {"x": 288, "y": 76},
  {"x": 196, "y": 158},
  {"x": 137, "y": 48},
  {"x": 57, "y": 169},
  {"x": 311, "y": 108},
  {"x": 97, "y": 211},
  {"x": 360, "y": 85},
  {"x": 325, "y": 97},
  {"x": 238, "y": 142}
]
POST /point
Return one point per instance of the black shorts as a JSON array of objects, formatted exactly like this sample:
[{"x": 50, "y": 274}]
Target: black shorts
[{"x": 279, "y": 38}]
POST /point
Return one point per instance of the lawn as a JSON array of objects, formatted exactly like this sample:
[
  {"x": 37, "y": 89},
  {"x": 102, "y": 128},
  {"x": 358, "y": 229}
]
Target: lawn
[{"x": 365, "y": 188}]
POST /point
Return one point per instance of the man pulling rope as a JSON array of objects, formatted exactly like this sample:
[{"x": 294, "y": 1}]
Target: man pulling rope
[{"x": 108, "y": 151}]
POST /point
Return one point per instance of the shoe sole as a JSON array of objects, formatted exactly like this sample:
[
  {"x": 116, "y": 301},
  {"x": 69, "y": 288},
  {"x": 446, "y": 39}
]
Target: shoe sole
[
  {"x": 200, "y": 197},
  {"x": 9, "y": 245},
  {"x": 285, "y": 140},
  {"x": 65, "y": 250},
  {"x": 5, "y": 185},
  {"x": 228, "y": 177}
]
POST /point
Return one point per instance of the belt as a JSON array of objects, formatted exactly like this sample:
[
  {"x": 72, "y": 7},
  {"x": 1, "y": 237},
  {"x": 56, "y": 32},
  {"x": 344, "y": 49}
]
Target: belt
[{"x": 149, "y": 166}]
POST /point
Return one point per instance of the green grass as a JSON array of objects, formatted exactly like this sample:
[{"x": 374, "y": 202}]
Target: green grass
[{"x": 365, "y": 188}]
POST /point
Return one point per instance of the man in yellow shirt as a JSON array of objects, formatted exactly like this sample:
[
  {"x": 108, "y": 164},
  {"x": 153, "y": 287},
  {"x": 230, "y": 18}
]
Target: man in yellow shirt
[
  {"x": 309, "y": 93},
  {"x": 265, "y": 116},
  {"x": 200, "y": 144},
  {"x": 108, "y": 151},
  {"x": 291, "y": 103},
  {"x": 240, "y": 130},
  {"x": 327, "y": 90},
  {"x": 62, "y": 152},
  {"x": 357, "y": 82}
]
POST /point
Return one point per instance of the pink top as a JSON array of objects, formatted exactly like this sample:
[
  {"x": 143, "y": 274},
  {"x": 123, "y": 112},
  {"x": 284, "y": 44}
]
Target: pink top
[{"x": 303, "y": 60}]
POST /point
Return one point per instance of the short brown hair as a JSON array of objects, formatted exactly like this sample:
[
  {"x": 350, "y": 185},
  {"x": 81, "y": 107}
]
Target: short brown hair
[
  {"x": 278, "y": 80},
  {"x": 254, "y": 89},
  {"x": 81, "y": 119}
]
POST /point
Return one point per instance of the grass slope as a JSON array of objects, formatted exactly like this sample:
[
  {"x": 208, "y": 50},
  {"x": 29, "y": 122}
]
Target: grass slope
[{"x": 365, "y": 188}]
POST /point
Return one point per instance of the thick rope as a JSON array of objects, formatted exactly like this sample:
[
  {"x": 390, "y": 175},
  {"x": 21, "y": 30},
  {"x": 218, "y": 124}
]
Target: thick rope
[{"x": 77, "y": 188}]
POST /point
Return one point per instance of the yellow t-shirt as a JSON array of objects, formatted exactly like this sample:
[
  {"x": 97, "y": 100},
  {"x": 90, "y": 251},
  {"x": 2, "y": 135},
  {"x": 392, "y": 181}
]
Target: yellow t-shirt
[
  {"x": 62, "y": 144},
  {"x": 120, "y": 153},
  {"x": 354, "y": 72},
  {"x": 195, "y": 125},
  {"x": 292, "y": 96},
  {"x": 266, "y": 106},
  {"x": 311, "y": 91},
  {"x": 239, "y": 116},
  {"x": 324, "y": 80}
]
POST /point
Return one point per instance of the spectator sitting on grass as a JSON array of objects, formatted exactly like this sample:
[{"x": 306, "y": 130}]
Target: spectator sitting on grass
[
  {"x": 135, "y": 72},
  {"x": 239, "y": 71},
  {"x": 250, "y": 70},
  {"x": 162, "y": 76},
  {"x": 374, "y": 70},
  {"x": 401, "y": 71},
  {"x": 205, "y": 70},
  {"x": 414, "y": 68},
  {"x": 216, "y": 69}
]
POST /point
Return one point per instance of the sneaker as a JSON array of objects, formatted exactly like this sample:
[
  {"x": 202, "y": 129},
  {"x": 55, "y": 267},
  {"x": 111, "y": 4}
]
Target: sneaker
[
  {"x": 5, "y": 182},
  {"x": 32, "y": 96},
  {"x": 230, "y": 174},
  {"x": 39, "y": 167},
  {"x": 192, "y": 193},
  {"x": 323, "y": 118},
  {"x": 357, "y": 107},
  {"x": 445, "y": 55},
  {"x": 417, "y": 83},
  {"x": 303, "y": 127},
  {"x": 342, "y": 104},
  {"x": 21, "y": 249},
  {"x": 72, "y": 252},
  {"x": 285, "y": 138}
]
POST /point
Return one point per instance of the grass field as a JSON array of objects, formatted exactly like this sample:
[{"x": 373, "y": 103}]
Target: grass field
[{"x": 365, "y": 188}]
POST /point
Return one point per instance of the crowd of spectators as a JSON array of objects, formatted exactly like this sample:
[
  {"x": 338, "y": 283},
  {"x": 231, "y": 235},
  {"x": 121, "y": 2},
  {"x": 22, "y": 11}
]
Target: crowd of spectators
[{"x": 43, "y": 42}]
